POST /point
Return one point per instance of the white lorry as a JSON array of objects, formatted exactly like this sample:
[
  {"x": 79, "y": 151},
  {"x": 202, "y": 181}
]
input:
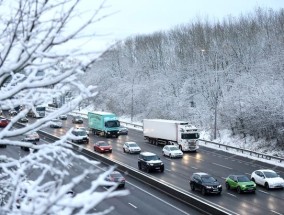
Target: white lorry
[{"x": 171, "y": 132}]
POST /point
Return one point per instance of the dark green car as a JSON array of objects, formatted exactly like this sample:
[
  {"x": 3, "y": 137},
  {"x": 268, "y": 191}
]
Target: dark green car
[{"x": 241, "y": 183}]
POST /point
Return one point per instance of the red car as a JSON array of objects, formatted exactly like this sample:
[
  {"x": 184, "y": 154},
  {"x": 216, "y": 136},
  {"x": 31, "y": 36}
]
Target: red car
[
  {"x": 4, "y": 122},
  {"x": 102, "y": 146}
]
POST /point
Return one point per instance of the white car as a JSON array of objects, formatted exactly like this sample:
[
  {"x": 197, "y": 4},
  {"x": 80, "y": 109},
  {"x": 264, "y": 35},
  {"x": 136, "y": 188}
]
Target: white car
[
  {"x": 131, "y": 147},
  {"x": 267, "y": 178},
  {"x": 56, "y": 123},
  {"x": 172, "y": 151},
  {"x": 32, "y": 136},
  {"x": 84, "y": 129}
]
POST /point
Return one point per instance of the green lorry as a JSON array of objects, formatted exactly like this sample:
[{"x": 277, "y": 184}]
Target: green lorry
[{"x": 103, "y": 124}]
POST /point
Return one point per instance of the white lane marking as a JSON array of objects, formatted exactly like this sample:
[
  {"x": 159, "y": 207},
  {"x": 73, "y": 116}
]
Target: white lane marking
[
  {"x": 168, "y": 170},
  {"x": 222, "y": 166},
  {"x": 263, "y": 192},
  {"x": 156, "y": 197},
  {"x": 223, "y": 178},
  {"x": 132, "y": 205},
  {"x": 276, "y": 212},
  {"x": 248, "y": 173},
  {"x": 231, "y": 194},
  {"x": 193, "y": 167}
]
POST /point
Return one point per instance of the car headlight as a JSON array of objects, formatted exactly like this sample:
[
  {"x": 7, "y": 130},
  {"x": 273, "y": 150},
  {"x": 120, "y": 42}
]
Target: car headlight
[
  {"x": 150, "y": 164},
  {"x": 208, "y": 187},
  {"x": 162, "y": 163},
  {"x": 219, "y": 186}
]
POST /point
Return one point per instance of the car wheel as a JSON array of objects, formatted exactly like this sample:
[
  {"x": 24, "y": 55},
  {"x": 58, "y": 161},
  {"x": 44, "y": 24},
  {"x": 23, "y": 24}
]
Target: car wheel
[
  {"x": 239, "y": 190},
  {"x": 227, "y": 186},
  {"x": 110, "y": 151},
  {"x": 124, "y": 150},
  {"x": 162, "y": 169},
  {"x": 203, "y": 191},
  {"x": 139, "y": 166},
  {"x": 147, "y": 169},
  {"x": 192, "y": 187},
  {"x": 170, "y": 155},
  {"x": 266, "y": 185}
]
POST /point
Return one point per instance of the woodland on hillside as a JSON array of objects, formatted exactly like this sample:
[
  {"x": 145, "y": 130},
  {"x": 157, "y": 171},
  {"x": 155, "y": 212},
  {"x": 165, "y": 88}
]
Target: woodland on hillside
[{"x": 232, "y": 69}]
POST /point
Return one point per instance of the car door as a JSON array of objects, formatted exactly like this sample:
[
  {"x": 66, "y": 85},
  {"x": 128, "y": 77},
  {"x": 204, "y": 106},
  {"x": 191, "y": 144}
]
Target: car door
[
  {"x": 197, "y": 182},
  {"x": 234, "y": 182},
  {"x": 261, "y": 178},
  {"x": 166, "y": 151},
  {"x": 126, "y": 147}
]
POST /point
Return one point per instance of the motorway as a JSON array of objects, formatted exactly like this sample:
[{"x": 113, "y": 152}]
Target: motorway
[
  {"x": 217, "y": 163},
  {"x": 141, "y": 200}
]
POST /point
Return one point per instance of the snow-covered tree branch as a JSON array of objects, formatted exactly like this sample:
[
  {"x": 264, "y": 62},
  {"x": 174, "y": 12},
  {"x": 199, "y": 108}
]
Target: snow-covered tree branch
[{"x": 37, "y": 64}]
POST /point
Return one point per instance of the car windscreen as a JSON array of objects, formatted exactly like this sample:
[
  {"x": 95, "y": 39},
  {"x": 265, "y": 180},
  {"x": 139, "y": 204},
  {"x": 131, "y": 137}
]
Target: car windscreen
[
  {"x": 190, "y": 136},
  {"x": 103, "y": 144},
  {"x": 243, "y": 179},
  {"x": 208, "y": 179},
  {"x": 153, "y": 157},
  {"x": 173, "y": 148},
  {"x": 132, "y": 145},
  {"x": 112, "y": 124},
  {"x": 81, "y": 133},
  {"x": 270, "y": 174}
]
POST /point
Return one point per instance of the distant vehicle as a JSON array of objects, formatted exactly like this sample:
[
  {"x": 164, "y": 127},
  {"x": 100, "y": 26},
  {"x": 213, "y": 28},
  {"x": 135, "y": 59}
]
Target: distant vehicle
[
  {"x": 117, "y": 177},
  {"x": 123, "y": 130},
  {"x": 103, "y": 124},
  {"x": 70, "y": 193},
  {"x": 241, "y": 183},
  {"x": 167, "y": 132},
  {"x": 55, "y": 123},
  {"x": 84, "y": 129},
  {"x": 102, "y": 146},
  {"x": 205, "y": 183},
  {"x": 1, "y": 112},
  {"x": 172, "y": 151},
  {"x": 32, "y": 136},
  {"x": 267, "y": 178},
  {"x": 150, "y": 161},
  {"x": 25, "y": 187},
  {"x": 23, "y": 120},
  {"x": 4, "y": 122},
  {"x": 131, "y": 147},
  {"x": 39, "y": 112},
  {"x": 81, "y": 135},
  {"x": 12, "y": 112},
  {"x": 63, "y": 117},
  {"x": 26, "y": 148},
  {"x": 77, "y": 120}
]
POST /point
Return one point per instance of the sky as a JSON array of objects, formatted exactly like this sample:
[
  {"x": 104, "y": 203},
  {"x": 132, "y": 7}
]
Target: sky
[{"x": 133, "y": 17}]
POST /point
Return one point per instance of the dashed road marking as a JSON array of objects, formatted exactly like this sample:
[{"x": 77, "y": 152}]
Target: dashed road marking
[
  {"x": 276, "y": 212},
  {"x": 132, "y": 205},
  {"x": 222, "y": 166},
  {"x": 231, "y": 194},
  {"x": 263, "y": 192}
]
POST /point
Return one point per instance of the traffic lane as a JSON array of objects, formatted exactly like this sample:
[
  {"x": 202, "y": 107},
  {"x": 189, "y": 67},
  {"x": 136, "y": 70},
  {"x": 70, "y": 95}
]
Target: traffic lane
[
  {"x": 221, "y": 169},
  {"x": 140, "y": 201}
]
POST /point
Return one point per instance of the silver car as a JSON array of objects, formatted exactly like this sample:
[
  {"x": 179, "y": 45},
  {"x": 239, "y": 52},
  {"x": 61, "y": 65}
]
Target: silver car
[
  {"x": 172, "y": 151},
  {"x": 131, "y": 147}
]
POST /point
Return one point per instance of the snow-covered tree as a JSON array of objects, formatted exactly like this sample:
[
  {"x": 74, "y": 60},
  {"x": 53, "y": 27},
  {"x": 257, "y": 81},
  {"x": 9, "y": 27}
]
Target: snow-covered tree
[{"x": 40, "y": 59}]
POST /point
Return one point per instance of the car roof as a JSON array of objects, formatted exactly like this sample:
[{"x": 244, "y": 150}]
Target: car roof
[
  {"x": 265, "y": 170},
  {"x": 237, "y": 175},
  {"x": 201, "y": 173},
  {"x": 147, "y": 153},
  {"x": 130, "y": 142}
]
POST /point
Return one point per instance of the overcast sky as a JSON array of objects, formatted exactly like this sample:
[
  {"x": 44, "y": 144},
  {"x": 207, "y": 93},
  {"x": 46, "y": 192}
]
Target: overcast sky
[{"x": 147, "y": 16}]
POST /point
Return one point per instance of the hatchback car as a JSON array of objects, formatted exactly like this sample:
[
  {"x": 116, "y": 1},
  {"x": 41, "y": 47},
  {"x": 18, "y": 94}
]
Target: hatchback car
[
  {"x": 84, "y": 129},
  {"x": 63, "y": 117},
  {"x": 267, "y": 178},
  {"x": 117, "y": 177},
  {"x": 12, "y": 112},
  {"x": 55, "y": 123},
  {"x": 150, "y": 161},
  {"x": 102, "y": 146},
  {"x": 23, "y": 120},
  {"x": 122, "y": 130},
  {"x": 77, "y": 120},
  {"x": 131, "y": 147},
  {"x": 241, "y": 183},
  {"x": 32, "y": 136},
  {"x": 205, "y": 183},
  {"x": 4, "y": 122},
  {"x": 82, "y": 136},
  {"x": 172, "y": 151}
]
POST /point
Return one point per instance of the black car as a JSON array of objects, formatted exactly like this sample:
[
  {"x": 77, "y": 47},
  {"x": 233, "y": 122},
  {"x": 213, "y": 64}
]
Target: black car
[
  {"x": 77, "y": 120},
  {"x": 150, "y": 161},
  {"x": 205, "y": 183},
  {"x": 26, "y": 148},
  {"x": 13, "y": 112}
]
